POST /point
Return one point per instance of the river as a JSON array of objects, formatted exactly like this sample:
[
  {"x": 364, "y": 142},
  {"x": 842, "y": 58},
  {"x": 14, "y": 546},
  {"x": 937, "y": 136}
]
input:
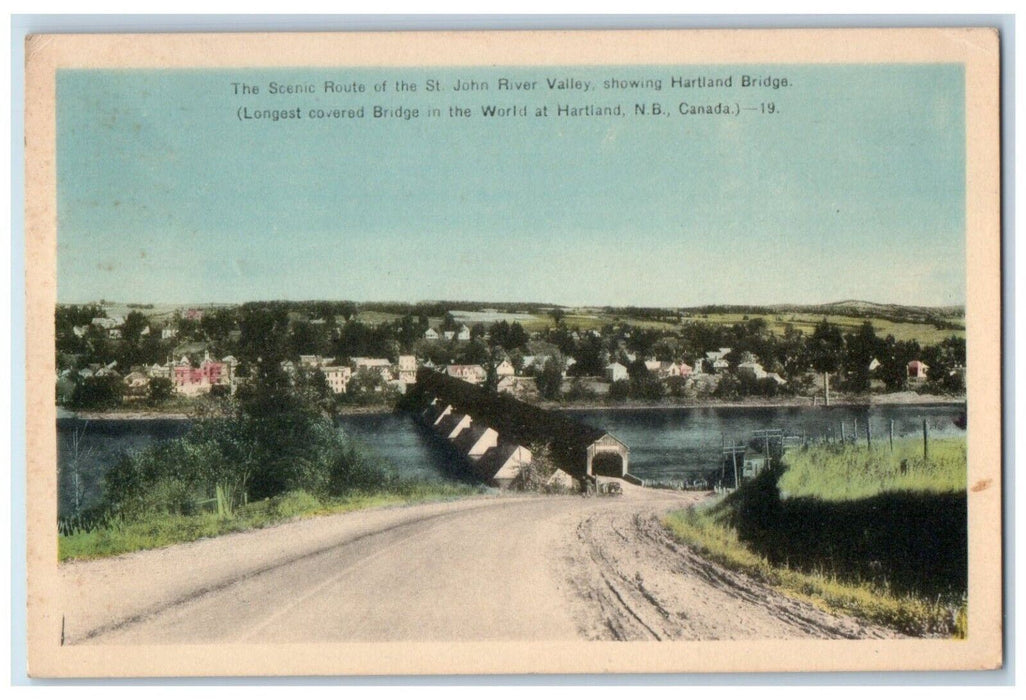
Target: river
[{"x": 667, "y": 444}]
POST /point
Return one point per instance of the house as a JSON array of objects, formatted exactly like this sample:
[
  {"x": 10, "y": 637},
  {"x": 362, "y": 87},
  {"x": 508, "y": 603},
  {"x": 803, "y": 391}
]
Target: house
[
  {"x": 684, "y": 370},
  {"x": 653, "y": 366},
  {"x": 448, "y": 335},
  {"x": 315, "y": 361},
  {"x": 754, "y": 463},
  {"x": 156, "y": 371},
  {"x": 406, "y": 369},
  {"x": 430, "y": 334},
  {"x": 615, "y": 372},
  {"x": 381, "y": 364},
  {"x": 560, "y": 480},
  {"x": 714, "y": 355},
  {"x": 193, "y": 381},
  {"x": 463, "y": 334},
  {"x": 79, "y": 331},
  {"x": 720, "y": 365},
  {"x": 105, "y": 323},
  {"x": 337, "y": 377},
  {"x": 505, "y": 369},
  {"x": 752, "y": 369},
  {"x": 874, "y": 364},
  {"x": 168, "y": 333},
  {"x": 193, "y": 314},
  {"x": 917, "y": 370},
  {"x": 508, "y": 385},
  {"x": 475, "y": 374},
  {"x": 137, "y": 384}
]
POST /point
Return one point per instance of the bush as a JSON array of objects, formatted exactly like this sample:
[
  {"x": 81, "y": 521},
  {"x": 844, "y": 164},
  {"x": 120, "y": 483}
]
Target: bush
[{"x": 619, "y": 390}]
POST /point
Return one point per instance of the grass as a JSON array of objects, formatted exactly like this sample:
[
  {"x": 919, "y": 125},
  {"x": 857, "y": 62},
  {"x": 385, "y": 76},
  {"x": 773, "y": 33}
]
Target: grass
[
  {"x": 925, "y": 333},
  {"x": 705, "y": 530},
  {"x": 161, "y": 530},
  {"x": 853, "y": 531},
  {"x": 839, "y": 473}
]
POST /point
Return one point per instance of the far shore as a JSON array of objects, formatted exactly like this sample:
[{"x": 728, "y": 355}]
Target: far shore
[{"x": 903, "y": 398}]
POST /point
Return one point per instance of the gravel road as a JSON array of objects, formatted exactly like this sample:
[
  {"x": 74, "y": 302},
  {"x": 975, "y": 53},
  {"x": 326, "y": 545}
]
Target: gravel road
[{"x": 503, "y": 568}]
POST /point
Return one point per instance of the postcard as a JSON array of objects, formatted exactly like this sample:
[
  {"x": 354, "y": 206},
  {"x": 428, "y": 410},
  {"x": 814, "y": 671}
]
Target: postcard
[{"x": 513, "y": 352}]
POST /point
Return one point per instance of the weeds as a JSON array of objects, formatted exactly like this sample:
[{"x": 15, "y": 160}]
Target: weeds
[
  {"x": 909, "y": 614},
  {"x": 876, "y": 534},
  {"x": 113, "y": 535}
]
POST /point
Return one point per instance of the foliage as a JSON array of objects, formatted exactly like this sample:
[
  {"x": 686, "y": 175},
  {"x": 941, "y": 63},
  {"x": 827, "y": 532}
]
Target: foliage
[
  {"x": 113, "y": 535},
  {"x": 839, "y": 472},
  {"x": 272, "y": 440},
  {"x": 159, "y": 391},
  {"x": 550, "y": 380},
  {"x": 620, "y": 390},
  {"x": 872, "y": 534},
  {"x": 98, "y": 393},
  {"x": 911, "y": 613}
]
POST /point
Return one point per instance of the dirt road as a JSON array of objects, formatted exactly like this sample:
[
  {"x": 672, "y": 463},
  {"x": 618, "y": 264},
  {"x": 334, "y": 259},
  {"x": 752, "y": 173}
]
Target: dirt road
[{"x": 490, "y": 568}]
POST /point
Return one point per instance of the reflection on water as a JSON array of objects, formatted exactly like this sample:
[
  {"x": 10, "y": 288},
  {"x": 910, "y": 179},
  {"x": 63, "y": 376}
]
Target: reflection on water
[{"x": 668, "y": 444}]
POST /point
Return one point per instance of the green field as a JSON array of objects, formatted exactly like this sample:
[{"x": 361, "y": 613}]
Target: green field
[{"x": 924, "y": 333}]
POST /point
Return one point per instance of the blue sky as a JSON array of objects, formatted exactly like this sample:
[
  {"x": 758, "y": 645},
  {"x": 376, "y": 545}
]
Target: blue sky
[{"x": 853, "y": 189}]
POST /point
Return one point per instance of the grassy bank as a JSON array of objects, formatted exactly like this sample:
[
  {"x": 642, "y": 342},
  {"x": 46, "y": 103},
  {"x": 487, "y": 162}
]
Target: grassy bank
[
  {"x": 845, "y": 473},
  {"x": 119, "y": 536},
  {"x": 876, "y": 535}
]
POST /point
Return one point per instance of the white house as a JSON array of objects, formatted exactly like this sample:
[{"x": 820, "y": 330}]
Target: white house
[
  {"x": 917, "y": 370},
  {"x": 753, "y": 369},
  {"x": 475, "y": 374},
  {"x": 615, "y": 372},
  {"x": 315, "y": 361},
  {"x": 407, "y": 369},
  {"x": 505, "y": 369},
  {"x": 430, "y": 334},
  {"x": 338, "y": 377},
  {"x": 463, "y": 333}
]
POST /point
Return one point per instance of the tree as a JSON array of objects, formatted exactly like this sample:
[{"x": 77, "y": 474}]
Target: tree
[
  {"x": 160, "y": 390},
  {"x": 98, "y": 392},
  {"x": 550, "y": 379},
  {"x": 131, "y": 330},
  {"x": 619, "y": 390},
  {"x": 826, "y": 348}
]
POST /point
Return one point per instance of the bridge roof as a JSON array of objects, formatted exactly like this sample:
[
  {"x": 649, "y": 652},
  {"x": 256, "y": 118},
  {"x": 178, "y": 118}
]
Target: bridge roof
[{"x": 515, "y": 420}]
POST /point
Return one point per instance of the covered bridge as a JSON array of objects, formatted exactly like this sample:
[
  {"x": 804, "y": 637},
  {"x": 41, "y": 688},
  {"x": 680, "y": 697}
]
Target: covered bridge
[{"x": 578, "y": 449}]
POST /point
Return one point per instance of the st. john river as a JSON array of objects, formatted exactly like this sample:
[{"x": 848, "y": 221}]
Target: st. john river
[{"x": 667, "y": 444}]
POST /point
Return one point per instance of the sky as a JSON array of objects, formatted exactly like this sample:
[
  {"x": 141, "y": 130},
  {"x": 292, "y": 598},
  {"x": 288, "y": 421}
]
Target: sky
[{"x": 852, "y": 188}]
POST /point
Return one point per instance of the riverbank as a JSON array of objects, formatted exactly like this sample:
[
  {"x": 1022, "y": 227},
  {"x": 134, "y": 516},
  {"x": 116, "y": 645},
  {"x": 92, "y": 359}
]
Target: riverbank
[{"x": 902, "y": 398}]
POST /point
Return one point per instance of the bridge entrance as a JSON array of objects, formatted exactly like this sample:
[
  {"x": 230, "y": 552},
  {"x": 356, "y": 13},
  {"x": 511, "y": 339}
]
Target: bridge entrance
[{"x": 608, "y": 464}]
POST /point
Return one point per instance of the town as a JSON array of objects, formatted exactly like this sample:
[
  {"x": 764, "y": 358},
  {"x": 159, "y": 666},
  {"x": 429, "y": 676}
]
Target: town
[{"x": 369, "y": 354}]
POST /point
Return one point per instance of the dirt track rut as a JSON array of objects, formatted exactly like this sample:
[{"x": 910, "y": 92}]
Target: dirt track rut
[{"x": 494, "y": 568}]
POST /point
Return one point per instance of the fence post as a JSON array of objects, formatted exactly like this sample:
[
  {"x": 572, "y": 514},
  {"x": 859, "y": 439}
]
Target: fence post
[
  {"x": 869, "y": 434},
  {"x": 926, "y": 439},
  {"x": 843, "y": 438},
  {"x": 892, "y": 435}
]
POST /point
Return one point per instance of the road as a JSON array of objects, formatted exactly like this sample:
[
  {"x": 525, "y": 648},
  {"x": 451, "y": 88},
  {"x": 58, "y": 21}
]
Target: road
[{"x": 502, "y": 568}]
